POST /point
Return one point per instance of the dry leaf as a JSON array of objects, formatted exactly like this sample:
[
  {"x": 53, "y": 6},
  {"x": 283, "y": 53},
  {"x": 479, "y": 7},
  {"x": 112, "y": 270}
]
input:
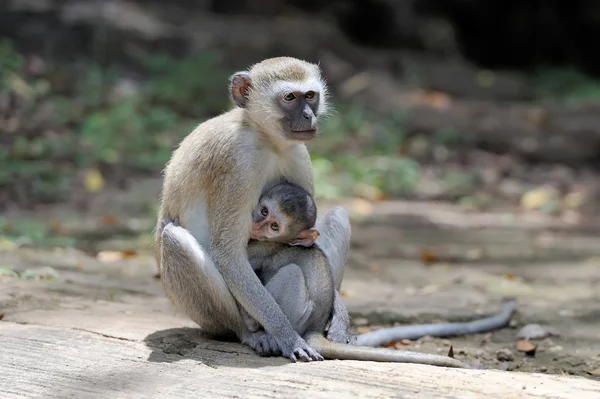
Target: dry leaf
[
  {"x": 363, "y": 329},
  {"x": 451, "y": 352},
  {"x": 7, "y": 245},
  {"x": 343, "y": 294},
  {"x": 523, "y": 345},
  {"x": 593, "y": 372},
  {"x": 56, "y": 227},
  {"x": 93, "y": 180},
  {"x": 538, "y": 198},
  {"x": 428, "y": 257},
  {"x": 508, "y": 276},
  {"x": 434, "y": 99},
  {"x": 475, "y": 254},
  {"x": 1, "y": 316},
  {"x": 109, "y": 220},
  {"x": 115, "y": 256},
  {"x": 397, "y": 344},
  {"x": 362, "y": 207},
  {"x": 574, "y": 200}
]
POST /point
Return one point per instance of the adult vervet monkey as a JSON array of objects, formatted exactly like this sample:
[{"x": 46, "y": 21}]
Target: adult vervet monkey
[{"x": 211, "y": 185}]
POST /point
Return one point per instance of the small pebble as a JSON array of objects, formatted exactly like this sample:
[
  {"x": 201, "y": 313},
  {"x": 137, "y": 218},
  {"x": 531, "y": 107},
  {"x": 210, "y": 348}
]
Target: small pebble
[
  {"x": 536, "y": 331},
  {"x": 504, "y": 355}
]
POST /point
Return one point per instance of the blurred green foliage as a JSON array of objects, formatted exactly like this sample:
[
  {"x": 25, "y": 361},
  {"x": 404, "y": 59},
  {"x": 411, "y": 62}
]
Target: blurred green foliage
[
  {"x": 568, "y": 86},
  {"x": 63, "y": 121},
  {"x": 101, "y": 120}
]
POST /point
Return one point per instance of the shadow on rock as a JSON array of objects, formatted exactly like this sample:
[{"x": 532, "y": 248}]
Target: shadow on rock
[{"x": 176, "y": 344}]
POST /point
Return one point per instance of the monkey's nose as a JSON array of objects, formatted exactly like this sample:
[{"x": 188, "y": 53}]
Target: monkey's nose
[{"x": 307, "y": 115}]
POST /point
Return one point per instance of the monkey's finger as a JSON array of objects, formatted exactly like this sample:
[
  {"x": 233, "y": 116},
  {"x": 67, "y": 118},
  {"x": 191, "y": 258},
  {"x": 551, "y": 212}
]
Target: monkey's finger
[
  {"x": 303, "y": 355},
  {"x": 314, "y": 355}
]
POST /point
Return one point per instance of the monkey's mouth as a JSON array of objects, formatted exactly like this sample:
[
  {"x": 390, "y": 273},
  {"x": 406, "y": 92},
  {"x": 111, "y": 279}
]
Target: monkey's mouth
[{"x": 303, "y": 135}]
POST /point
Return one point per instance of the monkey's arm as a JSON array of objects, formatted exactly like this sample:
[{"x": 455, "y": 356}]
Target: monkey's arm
[
  {"x": 385, "y": 335},
  {"x": 229, "y": 240}
]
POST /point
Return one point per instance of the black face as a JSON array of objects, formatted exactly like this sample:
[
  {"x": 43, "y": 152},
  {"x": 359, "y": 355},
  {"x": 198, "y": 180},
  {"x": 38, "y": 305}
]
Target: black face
[{"x": 300, "y": 109}]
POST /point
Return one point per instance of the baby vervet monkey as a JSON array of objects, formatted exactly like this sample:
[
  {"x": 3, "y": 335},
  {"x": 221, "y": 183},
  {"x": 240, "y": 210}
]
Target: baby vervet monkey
[{"x": 284, "y": 254}]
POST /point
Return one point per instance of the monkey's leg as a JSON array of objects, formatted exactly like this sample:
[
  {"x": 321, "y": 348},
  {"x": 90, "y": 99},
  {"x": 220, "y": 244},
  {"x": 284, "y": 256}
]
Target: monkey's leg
[
  {"x": 197, "y": 287},
  {"x": 288, "y": 288},
  {"x": 334, "y": 240},
  {"x": 191, "y": 277}
]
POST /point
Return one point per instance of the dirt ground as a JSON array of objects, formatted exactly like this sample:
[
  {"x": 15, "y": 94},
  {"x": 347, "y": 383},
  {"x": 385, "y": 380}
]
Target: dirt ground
[{"x": 409, "y": 263}]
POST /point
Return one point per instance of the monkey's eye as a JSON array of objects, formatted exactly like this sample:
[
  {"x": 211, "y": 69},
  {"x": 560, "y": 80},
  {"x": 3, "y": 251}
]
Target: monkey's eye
[
  {"x": 264, "y": 211},
  {"x": 274, "y": 226},
  {"x": 289, "y": 97},
  {"x": 310, "y": 95}
]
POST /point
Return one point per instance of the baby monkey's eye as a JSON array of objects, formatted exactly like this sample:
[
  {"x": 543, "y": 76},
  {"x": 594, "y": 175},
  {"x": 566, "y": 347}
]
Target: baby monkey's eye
[
  {"x": 264, "y": 211},
  {"x": 310, "y": 95},
  {"x": 289, "y": 97},
  {"x": 274, "y": 226}
]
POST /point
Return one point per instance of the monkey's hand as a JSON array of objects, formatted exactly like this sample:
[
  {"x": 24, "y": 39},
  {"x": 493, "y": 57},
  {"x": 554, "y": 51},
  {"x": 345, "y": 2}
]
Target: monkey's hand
[
  {"x": 166, "y": 221},
  {"x": 262, "y": 343},
  {"x": 295, "y": 347}
]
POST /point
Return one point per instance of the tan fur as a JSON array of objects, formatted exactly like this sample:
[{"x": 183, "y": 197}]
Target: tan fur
[{"x": 203, "y": 164}]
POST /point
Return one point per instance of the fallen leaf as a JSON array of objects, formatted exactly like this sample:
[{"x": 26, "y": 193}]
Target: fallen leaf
[
  {"x": 7, "y": 272},
  {"x": 115, "y": 256},
  {"x": 7, "y": 245},
  {"x": 56, "y": 227},
  {"x": 523, "y": 345},
  {"x": 368, "y": 192},
  {"x": 109, "y": 220},
  {"x": 428, "y": 257},
  {"x": 44, "y": 273},
  {"x": 363, "y": 329},
  {"x": 508, "y": 276},
  {"x": 451, "y": 352},
  {"x": 93, "y": 180},
  {"x": 343, "y": 294},
  {"x": 475, "y": 253},
  {"x": 79, "y": 267},
  {"x": 593, "y": 372},
  {"x": 574, "y": 200},
  {"x": 362, "y": 207},
  {"x": 1, "y": 316},
  {"x": 434, "y": 99},
  {"x": 535, "y": 199}
]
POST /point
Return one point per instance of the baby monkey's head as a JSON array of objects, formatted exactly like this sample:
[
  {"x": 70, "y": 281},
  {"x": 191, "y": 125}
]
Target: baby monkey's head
[{"x": 285, "y": 213}]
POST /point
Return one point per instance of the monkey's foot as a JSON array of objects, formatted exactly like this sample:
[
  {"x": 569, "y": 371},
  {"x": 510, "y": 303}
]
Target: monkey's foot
[
  {"x": 168, "y": 220},
  {"x": 297, "y": 348},
  {"x": 262, "y": 343}
]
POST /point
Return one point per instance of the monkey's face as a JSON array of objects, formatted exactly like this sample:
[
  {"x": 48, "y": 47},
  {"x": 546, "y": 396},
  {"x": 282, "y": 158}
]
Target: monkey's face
[
  {"x": 298, "y": 113},
  {"x": 268, "y": 223}
]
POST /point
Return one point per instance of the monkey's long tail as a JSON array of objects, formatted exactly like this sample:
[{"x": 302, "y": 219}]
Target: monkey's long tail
[
  {"x": 331, "y": 350},
  {"x": 385, "y": 335}
]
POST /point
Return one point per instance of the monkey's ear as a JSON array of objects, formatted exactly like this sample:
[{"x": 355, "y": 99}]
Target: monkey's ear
[
  {"x": 240, "y": 85},
  {"x": 306, "y": 238}
]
